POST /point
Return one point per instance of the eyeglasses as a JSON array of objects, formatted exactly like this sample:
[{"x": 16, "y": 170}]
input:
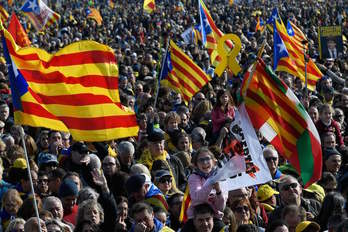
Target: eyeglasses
[
  {"x": 165, "y": 180},
  {"x": 204, "y": 160},
  {"x": 109, "y": 164},
  {"x": 287, "y": 187},
  {"x": 240, "y": 209},
  {"x": 269, "y": 159}
]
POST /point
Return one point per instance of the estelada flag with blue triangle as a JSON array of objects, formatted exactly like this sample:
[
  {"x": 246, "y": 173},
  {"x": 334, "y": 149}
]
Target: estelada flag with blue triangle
[{"x": 40, "y": 15}]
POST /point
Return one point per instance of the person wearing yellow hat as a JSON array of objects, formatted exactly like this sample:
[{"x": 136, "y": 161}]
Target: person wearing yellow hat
[
  {"x": 307, "y": 226},
  {"x": 266, "y": 196}
]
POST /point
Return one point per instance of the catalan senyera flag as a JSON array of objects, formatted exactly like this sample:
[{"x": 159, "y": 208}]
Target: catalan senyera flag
[
  {"x": 74, "y": 90},
  {"x": 17, "y": 31},
  {"x": 40, "y": 15},
  {"x": 276, "y": 112},
  {"x": 185, "y": 205},
  {"x": 3, "y": 14},
  {"x": 93, "y": 13},
  {"x": 181, "y": 74},
  {"x": 149, "y": 6},
  {"x": 211, "y": 34},
  {"x": 296, "y": 56}
]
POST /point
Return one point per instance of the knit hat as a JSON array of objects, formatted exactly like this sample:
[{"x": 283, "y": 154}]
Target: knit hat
[
  {"x": 68, "y": 188},
  {"x": 303, "y": 225},
  {"x": 135, "y": 183},
  {"x": 155, "y": 136},
  {"x": 265, "y": 192}
]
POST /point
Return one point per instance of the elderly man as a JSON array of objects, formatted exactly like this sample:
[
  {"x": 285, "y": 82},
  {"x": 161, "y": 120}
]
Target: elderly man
[
  {"x": 290, "y": 192},
  {"x": 125, "y": 155},
  {"x": 54, "y": 205},
  {"x": 272, "y": 159}
]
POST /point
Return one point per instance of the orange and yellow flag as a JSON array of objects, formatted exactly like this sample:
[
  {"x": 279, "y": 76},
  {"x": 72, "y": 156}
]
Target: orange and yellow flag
[{"x": 17, "y": 31}]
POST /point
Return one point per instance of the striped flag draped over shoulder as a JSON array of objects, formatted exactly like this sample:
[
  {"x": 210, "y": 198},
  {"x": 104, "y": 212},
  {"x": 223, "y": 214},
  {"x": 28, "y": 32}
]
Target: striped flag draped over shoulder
[
  {"x": 276, "y": 112},
  {"x": 74, "y": 90},
  {"x": 181, "y": 74}
]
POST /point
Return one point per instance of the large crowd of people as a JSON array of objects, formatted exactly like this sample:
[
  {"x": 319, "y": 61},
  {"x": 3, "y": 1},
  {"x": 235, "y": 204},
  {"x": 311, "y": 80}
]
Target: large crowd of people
[{"x": 138, "y": 183}]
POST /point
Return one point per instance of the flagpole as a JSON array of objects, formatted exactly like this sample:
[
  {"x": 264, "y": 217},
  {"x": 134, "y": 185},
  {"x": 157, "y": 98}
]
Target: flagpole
[
  {"x": 30, "y": 178},
  {"x": 164, "y": 58},
  {"x": 304, "y": 42}
]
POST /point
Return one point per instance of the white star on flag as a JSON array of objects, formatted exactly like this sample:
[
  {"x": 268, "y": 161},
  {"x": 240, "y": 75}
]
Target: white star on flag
[
  {"x": 290, "y": 31},
  {"x": 281, "y": 47}
]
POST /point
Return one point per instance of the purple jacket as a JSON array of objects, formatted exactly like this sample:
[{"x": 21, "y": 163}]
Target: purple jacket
[{"x": 200, "y": 194}]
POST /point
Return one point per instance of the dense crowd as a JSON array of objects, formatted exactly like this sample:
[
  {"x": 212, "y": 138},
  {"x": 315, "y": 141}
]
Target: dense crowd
[{"x": 138, "y": 183}]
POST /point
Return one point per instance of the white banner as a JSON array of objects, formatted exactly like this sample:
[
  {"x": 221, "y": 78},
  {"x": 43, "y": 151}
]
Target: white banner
[
  {"x": 256, "y": 170},
  {"x": 187, "y": 36}
]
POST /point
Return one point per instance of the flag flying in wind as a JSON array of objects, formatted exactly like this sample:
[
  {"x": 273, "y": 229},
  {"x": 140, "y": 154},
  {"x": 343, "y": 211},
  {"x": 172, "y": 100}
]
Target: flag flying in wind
[
  {"x": 3, "y": 14},
  {"x": 17, "y": 31},
  {"x": 74, "y": 90},
  {"x": 181, "y": 74},
  {"x": 260, "y": 24},
  {"x": 210, "y": 34},
  {"x": 93, "y": 13},
  {"x": 275, "y": 111},
  {"x": 149, "y": 6},
  {"x": 40, "y": 15},
  {"x": 296, "y": 55}
]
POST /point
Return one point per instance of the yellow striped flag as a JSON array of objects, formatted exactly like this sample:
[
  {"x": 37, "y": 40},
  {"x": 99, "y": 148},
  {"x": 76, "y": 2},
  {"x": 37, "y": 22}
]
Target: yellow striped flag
[
  {"x": 149, "y": 6},
  {"x": 93, "y": 13},
  {"x": 295, "y": 63},
  {"x": 276, "y": 112},
  {"x": 186, "y": 202},
  {"x": 40, "y": 15},
  {"x": 181, "y": 74},
  {"x": 211, "y": 34},
  {"x": 3, "y": 14},
  {"x": 74, "y": 90}
]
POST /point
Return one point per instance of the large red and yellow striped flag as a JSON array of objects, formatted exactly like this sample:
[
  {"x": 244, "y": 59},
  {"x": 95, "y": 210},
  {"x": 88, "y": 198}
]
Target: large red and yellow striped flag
[
  {"x": 3, "y": 14},
  {"x": 276, "y": 112},
  {"x": 149, "y": 6},
  {"x": 211, "y": 34},
  {"x": 74, "y": 90},
  {"x": 181, "y": 74},
  {"x": 296, "y": 58}
]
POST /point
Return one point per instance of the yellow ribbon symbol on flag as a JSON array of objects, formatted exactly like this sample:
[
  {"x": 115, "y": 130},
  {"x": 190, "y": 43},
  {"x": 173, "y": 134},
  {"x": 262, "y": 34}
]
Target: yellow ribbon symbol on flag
[{"x": 228, "y": 59}]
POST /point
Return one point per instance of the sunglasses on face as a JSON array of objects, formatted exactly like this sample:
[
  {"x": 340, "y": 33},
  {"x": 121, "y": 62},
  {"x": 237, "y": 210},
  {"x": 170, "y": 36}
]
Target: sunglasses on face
[
  {"x": 287, "y": 187},
  {"x": 269, "y": 159},
  {"x": 240, "y": 209},
  {"x": 165, "y": 180},
  {"x": 204, "y": 160}
]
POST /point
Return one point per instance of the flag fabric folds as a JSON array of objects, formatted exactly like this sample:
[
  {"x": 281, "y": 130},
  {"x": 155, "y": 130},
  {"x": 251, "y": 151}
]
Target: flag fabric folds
[
  {"x": 186, "y": 202},
  {"x": 276, "y": 112},
  {"x": 74, "y": 90},
  {"x": 17, "y": 31},
  {"x": 259, "y": 24},
  {"x": 3, "y": 14},
  {"x": 210, "y": 34},
  {"x": 181, "y": 74},
  {"x": 40, "y": 15},
  {"x": 149, "y": 6},
  {"x": 296, "y": 65},
  {"x": 93, "y": 13}
]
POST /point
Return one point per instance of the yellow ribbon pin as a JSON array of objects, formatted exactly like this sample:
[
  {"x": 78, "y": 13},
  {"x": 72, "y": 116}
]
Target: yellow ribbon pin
[{"x": 228, "y": 59}]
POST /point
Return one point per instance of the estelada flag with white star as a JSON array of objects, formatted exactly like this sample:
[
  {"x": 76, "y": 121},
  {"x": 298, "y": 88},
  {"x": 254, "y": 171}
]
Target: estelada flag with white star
[{"x": 40, "y": 15}]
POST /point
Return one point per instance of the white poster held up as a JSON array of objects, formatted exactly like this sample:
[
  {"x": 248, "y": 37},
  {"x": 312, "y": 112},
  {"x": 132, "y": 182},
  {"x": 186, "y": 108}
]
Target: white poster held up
[{"x": 256, "y": 171}]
